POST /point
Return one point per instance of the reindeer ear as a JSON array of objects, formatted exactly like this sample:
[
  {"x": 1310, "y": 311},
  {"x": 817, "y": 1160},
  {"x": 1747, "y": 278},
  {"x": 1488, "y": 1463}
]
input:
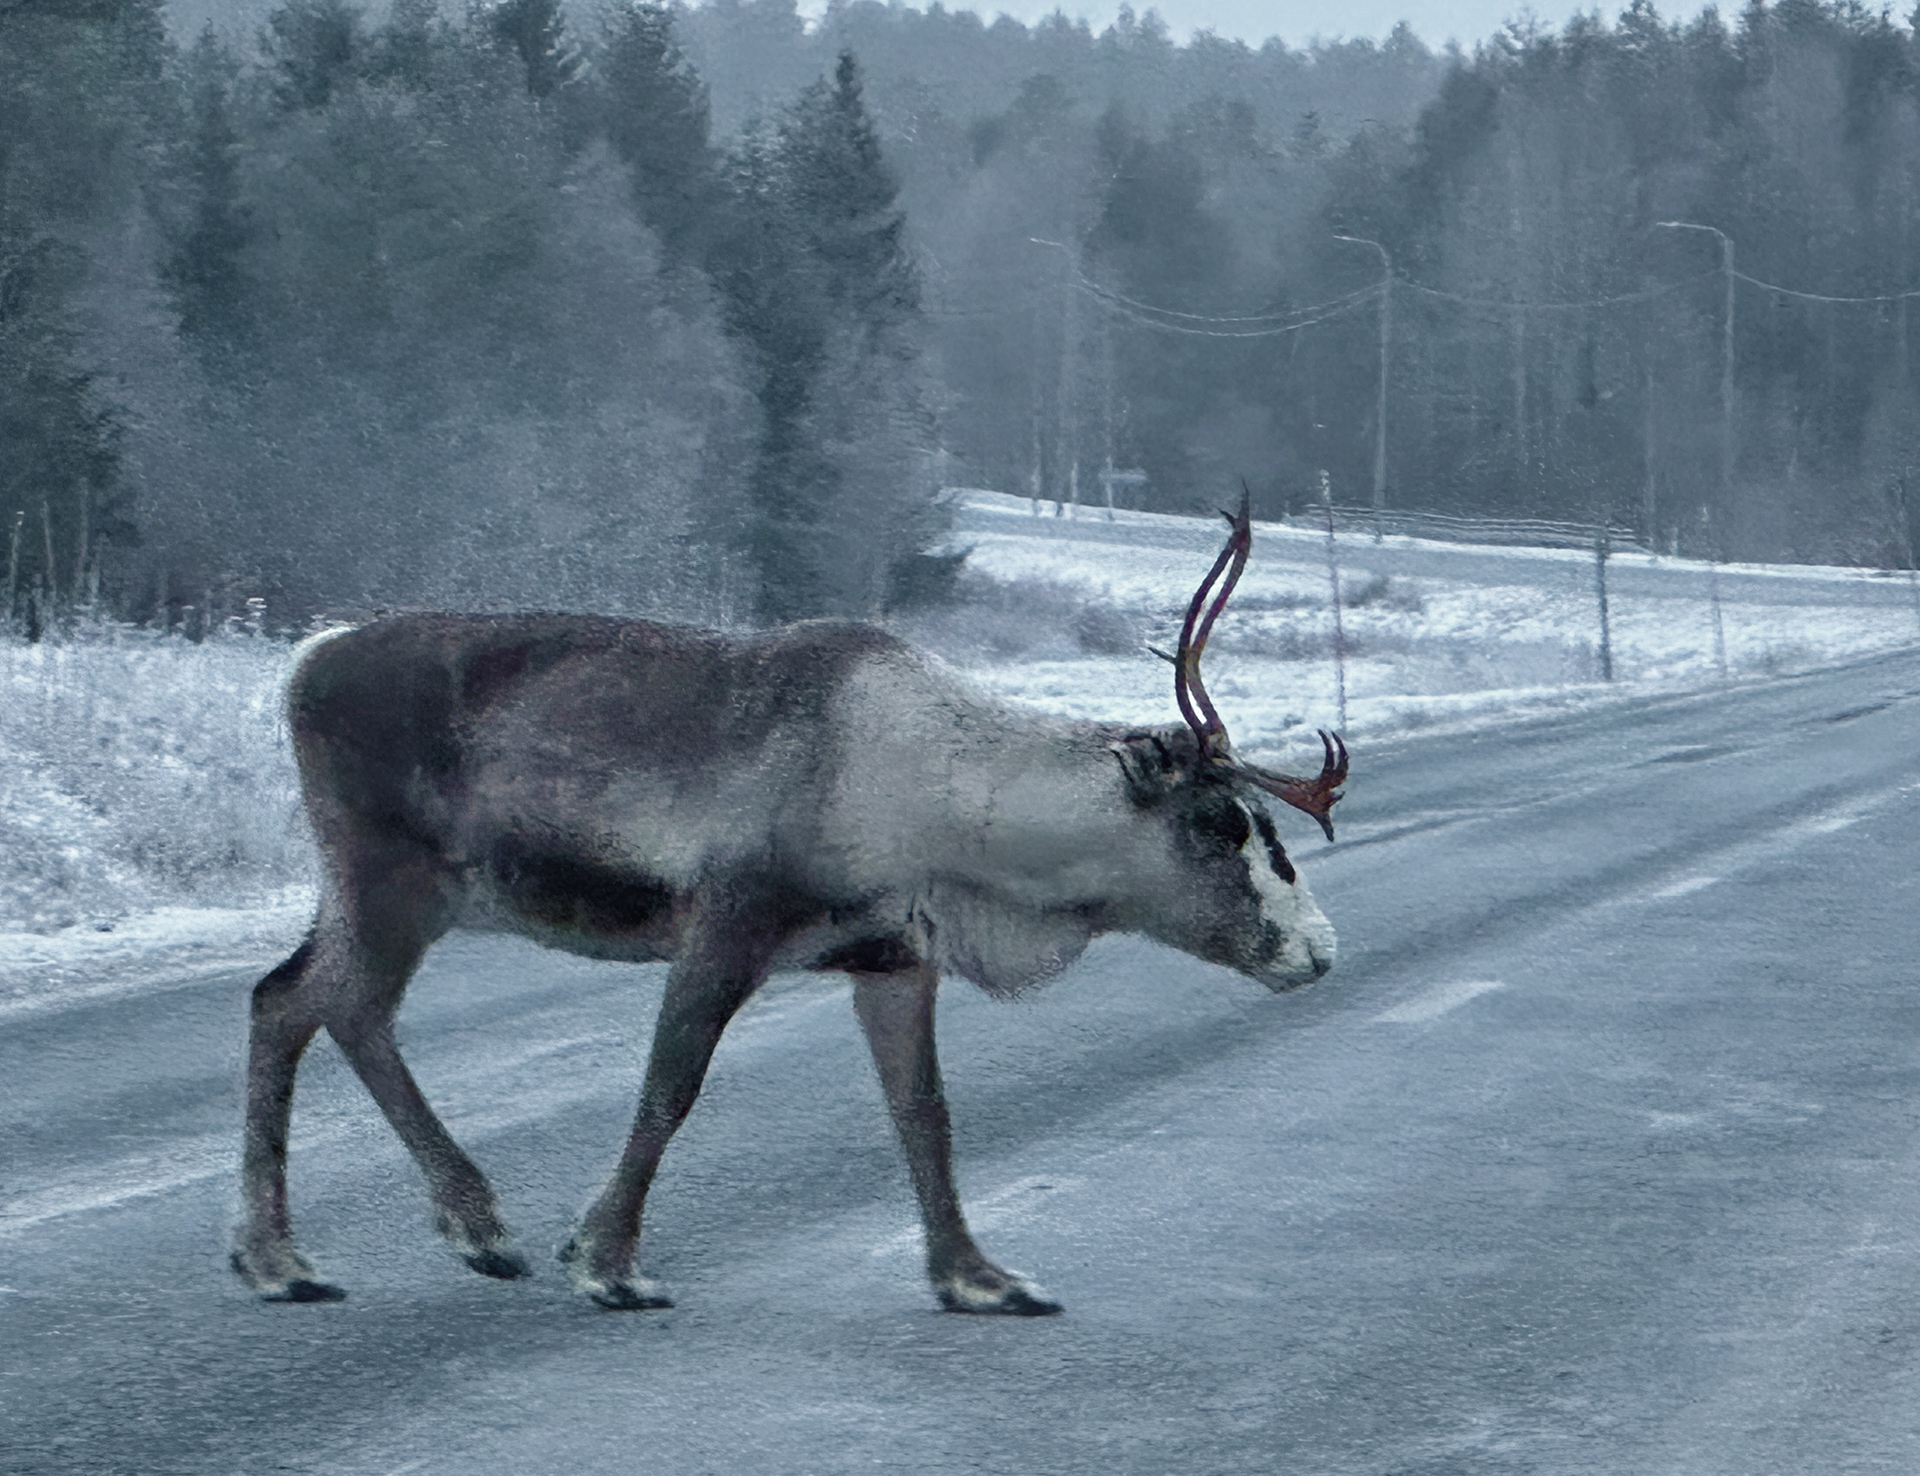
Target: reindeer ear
[{"x": 1149, "y": 765}]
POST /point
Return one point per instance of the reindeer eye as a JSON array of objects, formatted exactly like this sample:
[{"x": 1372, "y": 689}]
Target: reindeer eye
[
  {"x": 1276, "y": 853},
  {"x": 1222, "y": 824}
]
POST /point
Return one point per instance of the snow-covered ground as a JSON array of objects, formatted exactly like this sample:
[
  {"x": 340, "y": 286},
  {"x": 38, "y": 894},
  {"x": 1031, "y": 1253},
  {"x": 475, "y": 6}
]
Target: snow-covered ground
[
  {"x": 1437, "y": 635},
  {"x": 139, "y": 773},
  {"x": 148, "y": 806}
]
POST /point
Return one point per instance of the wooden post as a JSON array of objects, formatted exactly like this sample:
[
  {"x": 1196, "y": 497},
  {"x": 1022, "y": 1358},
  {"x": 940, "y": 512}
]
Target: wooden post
[
  {"x": 1713, "y": 593},
  {"x": 1600, "y": 551},
  {"x": 46, "y": 530},
  {"x": 1899, "y": 489},
  {"x": 1650, "y": 488},
  {"x": 13, "y": 566},
  {"x": 1339, "y": 626}
]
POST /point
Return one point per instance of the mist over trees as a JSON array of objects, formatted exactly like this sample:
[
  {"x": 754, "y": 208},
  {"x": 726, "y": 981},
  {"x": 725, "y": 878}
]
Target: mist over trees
[{"x": 693, "y": 311}]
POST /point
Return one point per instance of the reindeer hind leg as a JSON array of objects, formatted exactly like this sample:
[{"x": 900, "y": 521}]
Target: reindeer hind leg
[
  {"x": 284, "y": 1019},
  {"x": 377, "y": 920},
  {"x": 397, "y": 918}
]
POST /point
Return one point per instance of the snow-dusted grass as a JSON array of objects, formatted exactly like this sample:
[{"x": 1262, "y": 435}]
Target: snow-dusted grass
[{"x": 138, "y": 772}]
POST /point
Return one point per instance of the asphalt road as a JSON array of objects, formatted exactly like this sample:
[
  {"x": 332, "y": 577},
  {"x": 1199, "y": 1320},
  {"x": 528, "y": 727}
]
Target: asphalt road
[{"x": 1596, "y": 1153}]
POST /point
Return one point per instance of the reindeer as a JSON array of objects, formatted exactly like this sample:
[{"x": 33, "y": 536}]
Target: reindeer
[{"x": 819, "y": 796}]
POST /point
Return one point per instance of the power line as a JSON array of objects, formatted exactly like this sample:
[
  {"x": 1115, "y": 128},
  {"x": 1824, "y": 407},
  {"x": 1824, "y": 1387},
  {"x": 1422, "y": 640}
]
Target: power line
[
  {"x": 1348, "y": 305},
  {"x": 1544, "y": 306},
  {"x": 1109, "y": 294},
  {"x": 1820, "y": 296}
]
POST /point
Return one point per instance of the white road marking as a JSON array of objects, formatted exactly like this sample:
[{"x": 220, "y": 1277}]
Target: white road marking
[
  {"x": 1436, "y": 1002},
  {"x": 987, "y": 1212},
  {"x": 1744, "y": 855},
  {"x": 472, "y": 1097},
  {"x": 1685, "y": 886},
  {"x": 481, "y": 1082}
]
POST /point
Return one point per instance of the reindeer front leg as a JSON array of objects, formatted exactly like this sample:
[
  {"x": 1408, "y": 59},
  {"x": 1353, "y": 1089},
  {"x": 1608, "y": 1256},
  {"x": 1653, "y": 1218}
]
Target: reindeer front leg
[
  {"x": 896, "y": 1011},
  {"x": 724, "y": 961}
]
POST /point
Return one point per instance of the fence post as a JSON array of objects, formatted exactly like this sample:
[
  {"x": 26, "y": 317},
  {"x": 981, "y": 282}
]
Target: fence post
[
  {"x": 1339, "y": 628},
  {"x": 1600, "y": 552},
  {"x": 1899, "y": 489},
  {"x": 13, "y": 568},
  {"x": 1713, "y": 592}
]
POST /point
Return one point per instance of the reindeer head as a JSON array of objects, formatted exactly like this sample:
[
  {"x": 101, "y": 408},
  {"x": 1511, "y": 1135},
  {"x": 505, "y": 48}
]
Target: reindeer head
[{"x": 1230, "y": 893}]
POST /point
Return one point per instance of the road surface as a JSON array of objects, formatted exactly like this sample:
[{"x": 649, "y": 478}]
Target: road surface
[{"x": 1596, "y": 1153}]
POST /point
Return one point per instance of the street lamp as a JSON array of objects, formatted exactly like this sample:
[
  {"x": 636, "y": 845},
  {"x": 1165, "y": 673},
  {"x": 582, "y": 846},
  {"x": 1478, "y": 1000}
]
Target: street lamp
[
  {"x": 1726, "y": 347},
  {"x": 1380, "y": 413}
]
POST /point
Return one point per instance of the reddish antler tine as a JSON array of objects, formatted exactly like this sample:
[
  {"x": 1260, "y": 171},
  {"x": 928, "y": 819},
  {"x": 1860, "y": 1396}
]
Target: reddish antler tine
[
  {"x": 1316, "y": 796},
  {"x": 1331, "y": 741}
]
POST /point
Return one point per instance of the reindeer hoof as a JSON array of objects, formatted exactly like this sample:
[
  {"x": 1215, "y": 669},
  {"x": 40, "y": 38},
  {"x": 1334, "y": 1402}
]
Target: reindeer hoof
[
  {"x": 627, "y": 1296},
  {"x": 1017, "y": 1298},
  {"x": 615, "y": 1293},
  {"x": 306, "y": 1291},
  {"x": 501, "y": 1265},
  {"x": 278, "y": 1273},
  {"x": 483, "y": 1243}
]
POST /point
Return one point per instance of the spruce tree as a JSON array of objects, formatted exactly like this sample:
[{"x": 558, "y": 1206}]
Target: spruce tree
[
  {"x": 403, "y": 49},
  {"x": 78, "y": 103},
  {"x": 537, "y": 32},
  {"x": 656, "y": 116},
  {"x": 314, "y": 46},
  {"x": 841, "y": 195},
  {"x": 203, "y": 270},
  {"x": 815, "y": 284}
]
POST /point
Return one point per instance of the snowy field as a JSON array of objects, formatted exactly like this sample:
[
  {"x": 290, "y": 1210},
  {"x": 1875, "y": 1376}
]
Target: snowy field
[
  {"x": 1437, "y": 635},
  {"x": 148, "y": 809}
]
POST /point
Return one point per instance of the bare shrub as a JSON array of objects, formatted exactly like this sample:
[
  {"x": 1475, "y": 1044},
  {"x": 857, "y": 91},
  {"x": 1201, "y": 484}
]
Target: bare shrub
[
  {"x": 1103, "y": 630},
  {"x": 1385, "y": 591},
  {"x": 1000, "y": 620}
]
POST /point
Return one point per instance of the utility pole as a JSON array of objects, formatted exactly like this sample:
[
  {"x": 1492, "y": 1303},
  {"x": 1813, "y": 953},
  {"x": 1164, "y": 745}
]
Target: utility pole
[
  {"x": 1106, "y": 415},
  {"x": 1726, "y": 351},
  {"x": 1037, "y": 459},
  {"x": 1068, "y": 464},
  {"x": 1069, "y": 449},
  {"x": 1900, "y": 345},
  {"x": 1380, "y": 408}
]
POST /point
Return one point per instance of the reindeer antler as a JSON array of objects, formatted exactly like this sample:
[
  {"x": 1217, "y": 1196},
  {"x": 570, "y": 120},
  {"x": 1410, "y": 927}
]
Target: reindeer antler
[
  {"x": 1187, "y": 687},
  {"x": 1316, "y": 796}
]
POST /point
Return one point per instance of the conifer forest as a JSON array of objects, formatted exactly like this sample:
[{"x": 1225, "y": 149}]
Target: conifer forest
[{"x": 695, "y": 311}]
